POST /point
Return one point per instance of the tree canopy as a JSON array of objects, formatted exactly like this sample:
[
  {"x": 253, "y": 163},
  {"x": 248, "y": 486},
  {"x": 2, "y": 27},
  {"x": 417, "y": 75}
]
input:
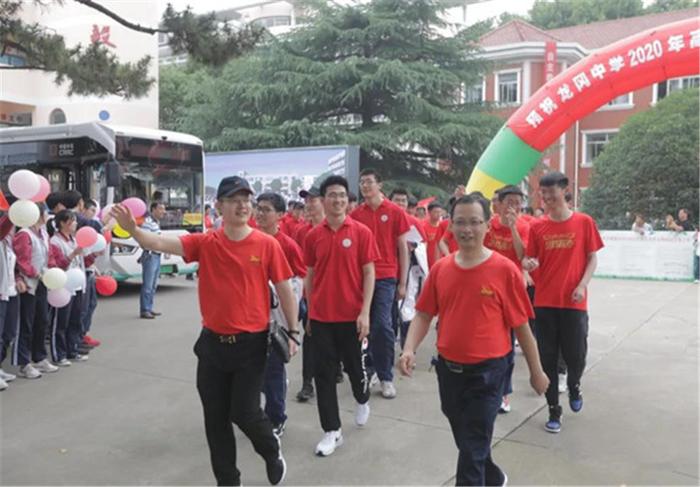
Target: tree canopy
[
  {"x": 651, "y": 166},
  {"x": 379, "y": 75},
  {"x": 95, "y": 70}
]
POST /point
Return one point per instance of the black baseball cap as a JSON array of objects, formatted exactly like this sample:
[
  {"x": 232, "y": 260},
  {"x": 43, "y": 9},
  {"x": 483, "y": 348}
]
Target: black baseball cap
[
  {"x": 510, "y": 189},
  {"x": 232, "y": 185},
  {"x": 313, "y": 192}
]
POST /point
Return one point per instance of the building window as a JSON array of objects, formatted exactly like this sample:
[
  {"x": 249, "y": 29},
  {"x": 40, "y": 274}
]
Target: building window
[
  {"x": 473, "y": 94},
  {"x": 11, "y": 56},
  {"x": 621, "y": 101},
  {"x": 274, "y": 21},
  {"x": 663, "y": 89},
  {"x": 593, "y": 145},
  {"x": 57, "y": 116},
  {"x": 508, "y": 87}
]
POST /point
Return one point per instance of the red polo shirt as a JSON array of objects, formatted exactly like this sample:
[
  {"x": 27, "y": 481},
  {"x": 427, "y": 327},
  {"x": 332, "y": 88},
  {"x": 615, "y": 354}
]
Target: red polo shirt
[
  {"x": 562, "y": 249},
  {"x": 415, "y": 222},
  {"x": 337, "y": 258},
  {"x": 477, "y": 307},
  {"x": 446, "y": 233},
  {"x": 431, "y": 241},
  {"x": 234, "y": 296},
  {"x": 387, "y": 223},
  {"x": 500, "y": 238},
  {"x": 301, "y": 232},
  {"x": 292, "y": 252}
]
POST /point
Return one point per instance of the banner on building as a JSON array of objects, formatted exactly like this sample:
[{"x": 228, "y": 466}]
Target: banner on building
[{"x": 550, "y": 60}]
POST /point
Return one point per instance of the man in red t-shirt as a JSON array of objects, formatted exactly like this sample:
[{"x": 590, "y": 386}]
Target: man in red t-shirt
[
  {"x": 389, "y": 225},
  {"x": 292, "y": 219},
  {"x": 562, "y": 246},
  {"x": 236, "y": 263},
  {"x": 340, "y": 254},
  {"x": 431, "y": 228},
  {"x": 478, "y": 296},
  {"x": 268, "y": 213}
]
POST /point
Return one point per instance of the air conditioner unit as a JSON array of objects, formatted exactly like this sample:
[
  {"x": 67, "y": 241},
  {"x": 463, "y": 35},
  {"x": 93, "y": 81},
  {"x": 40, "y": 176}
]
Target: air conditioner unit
[{"x": 21, "y": 118}]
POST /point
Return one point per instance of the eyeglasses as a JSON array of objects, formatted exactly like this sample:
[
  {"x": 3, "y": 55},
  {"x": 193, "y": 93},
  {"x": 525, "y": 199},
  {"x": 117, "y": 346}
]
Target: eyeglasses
[
  {"x": 464, "y": 224},
  {"x": 264, "y": 209},
  {"x": 367, "y": 182},
  {"x": 336, "y": 196}
]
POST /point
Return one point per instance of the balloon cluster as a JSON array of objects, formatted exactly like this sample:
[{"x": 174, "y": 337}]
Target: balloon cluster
[{"x": 29, "y": 188}]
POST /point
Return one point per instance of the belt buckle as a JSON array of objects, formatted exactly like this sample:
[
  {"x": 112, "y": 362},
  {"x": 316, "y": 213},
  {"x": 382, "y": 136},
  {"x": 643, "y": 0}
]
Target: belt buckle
[{"x": 230, "y": 339}]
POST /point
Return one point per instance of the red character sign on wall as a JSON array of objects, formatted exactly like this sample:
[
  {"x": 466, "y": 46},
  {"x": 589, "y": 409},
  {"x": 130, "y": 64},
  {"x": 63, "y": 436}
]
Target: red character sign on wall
[
  {"x": 550, "y": 60},
  {"x": 101, "y": 36}
]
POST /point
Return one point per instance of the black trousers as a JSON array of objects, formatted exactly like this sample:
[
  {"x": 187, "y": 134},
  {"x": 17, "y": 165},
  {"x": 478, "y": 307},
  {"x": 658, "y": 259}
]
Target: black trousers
[
  {"x": 66, "y": 328},
  {"x": 470, "y": 396},
  {"x": 34, "y": 322},
  {"x": 334, "y": 342},
  {"x": 230, "y": 380},
  {"x": 566, "y": 330}
]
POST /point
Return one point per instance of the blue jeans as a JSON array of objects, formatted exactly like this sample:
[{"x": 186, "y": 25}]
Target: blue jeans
[
  {"x": 89, "y": 302},
  {"x": 150, "y": 271},
  {"x": 470, "y": 399},
  {"x": 275, "y": 388},
  {"x": 382, "y": 336}
]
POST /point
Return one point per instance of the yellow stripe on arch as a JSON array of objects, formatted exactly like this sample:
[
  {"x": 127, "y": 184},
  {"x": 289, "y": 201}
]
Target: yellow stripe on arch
[{"x": 482, "y": 182}]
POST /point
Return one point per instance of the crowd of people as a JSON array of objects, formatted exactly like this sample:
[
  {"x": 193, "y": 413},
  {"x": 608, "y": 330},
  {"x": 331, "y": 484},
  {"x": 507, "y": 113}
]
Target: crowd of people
[{"x": 28, "y": 323}]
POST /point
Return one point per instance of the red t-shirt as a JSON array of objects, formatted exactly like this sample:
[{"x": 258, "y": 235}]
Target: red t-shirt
[
  {"x": 234, "y": 296},
  {"x": 292, "y": 252},
  {"x": 387, "y": 223},
  {"x": 337, "y": 258},
  {"x": 446, "y": 233},
  {"x": 527, "y": 218},
  {"x": 288, "y": 224},
  {"x": 500, "y": 238},
  {"x": 476, "y": 307},
  {"x": 415, "y": 222},
  {"x": 301, "y": 232},
  {"x": 562, "y": 249},
  {"x": 431, "y": 241}
]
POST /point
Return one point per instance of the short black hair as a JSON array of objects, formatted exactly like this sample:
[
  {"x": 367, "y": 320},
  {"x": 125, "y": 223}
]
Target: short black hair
[
  {"x": 275, "y": 200},
  {"x": 156, "y": 204},
  {"x": 412, "y": 201},
  {"x": 510, "y": 189},
  {"x": 63, "y": 216},
  {"x": 371, "y": 172},
  {"x": 157, "y": 195},
  {"x": 554, "y": 178},
  {"x": 395, "y": 191},
  {"x": 71, "y": 198},
  {"x": 295, "y": 205},
  {"x": 331, "y": 181},
  {"x": 90, "y": 203},
  {"x": 470, "y": 199},
  {"x": 53, "y": 199},
  {"x": 434, "y": 205},
  {"x": 528, "y": 210},
  {"x": 352, "y": 197}
]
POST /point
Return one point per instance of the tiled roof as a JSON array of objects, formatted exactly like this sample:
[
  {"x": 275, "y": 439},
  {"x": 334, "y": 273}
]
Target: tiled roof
[{"x": 590, "y": 36}]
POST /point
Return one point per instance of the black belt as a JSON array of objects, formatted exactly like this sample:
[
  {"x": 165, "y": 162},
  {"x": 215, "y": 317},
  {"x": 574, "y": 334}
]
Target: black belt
[
  {"x": 234, "y": 338},
  {"x": 458, "y": 368}
]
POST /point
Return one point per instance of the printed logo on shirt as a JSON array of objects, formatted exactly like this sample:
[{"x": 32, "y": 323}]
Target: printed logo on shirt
[
  {"x": 559, "y": 241},
  {"x": 347, "y": 243},
  {"x": 254, "y": 259},
  {"x": 497, "y": 242},
  {"x": 486, "y": 291},
  {"x": 384, "y": 218}
]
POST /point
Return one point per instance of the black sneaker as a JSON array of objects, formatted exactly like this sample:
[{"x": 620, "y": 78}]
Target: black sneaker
[
  {"x": 306, "y": 392},
  {"x": 277, "y": 467},
  {"x": 554, "y": 423},
  {"x": 278, "y": 429}
]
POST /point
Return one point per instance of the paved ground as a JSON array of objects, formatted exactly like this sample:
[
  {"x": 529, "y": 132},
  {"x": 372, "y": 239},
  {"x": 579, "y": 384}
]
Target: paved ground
[{"x": 131, "y": 415}]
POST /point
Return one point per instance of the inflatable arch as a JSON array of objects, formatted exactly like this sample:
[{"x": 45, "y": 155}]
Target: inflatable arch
[{"x": 669, "y": 51}]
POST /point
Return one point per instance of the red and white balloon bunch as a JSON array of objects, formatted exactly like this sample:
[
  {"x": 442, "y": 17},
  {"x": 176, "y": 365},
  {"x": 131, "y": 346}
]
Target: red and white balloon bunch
[{"x": 29, "y": 188}]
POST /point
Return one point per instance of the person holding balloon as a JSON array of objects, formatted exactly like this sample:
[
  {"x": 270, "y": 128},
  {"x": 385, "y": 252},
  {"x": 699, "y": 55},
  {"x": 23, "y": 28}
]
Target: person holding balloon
[
  {"x": 66, "y": 253},
  {"x": 31, "y": 247},
  {"x": 9, "y": 299}
]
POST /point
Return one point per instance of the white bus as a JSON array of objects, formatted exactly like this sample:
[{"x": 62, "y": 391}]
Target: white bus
[{"x": 110, "y": 163}]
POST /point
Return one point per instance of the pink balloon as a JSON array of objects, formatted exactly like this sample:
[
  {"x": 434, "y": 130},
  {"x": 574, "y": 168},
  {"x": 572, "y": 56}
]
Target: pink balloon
[
  {"x": 136, "y": 205},
  {"x": 44, "y": 189},
  {"x": 86, "y": 237},
  {"x": 104, "y": 211},
  {"x": 58, "y": 298}
]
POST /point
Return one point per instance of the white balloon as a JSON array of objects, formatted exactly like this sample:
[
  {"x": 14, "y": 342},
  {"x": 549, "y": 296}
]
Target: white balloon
[
  {"x": 54, "y": 278},
  {"x": 75, "y": 279},
  {"x": 24, "y": 184},
  {"x": 98, "y": 246},
  {"x": 24, "y": 213},
  {"x": 58, "y": 298}
]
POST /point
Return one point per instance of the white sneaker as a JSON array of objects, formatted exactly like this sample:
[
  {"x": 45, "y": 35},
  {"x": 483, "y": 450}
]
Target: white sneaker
[
  {"x": 46, "y": 367},
  {"x": 64, "y": 362},
  {"x": 331, "y": 440},
  {"x": 562, "y": 383},
  {"x": 362, "y": 414},
  {"x": 388, "y": 389},
  {"x": 29, "y": 372},
  {"x": 3, "y": 385},
  {"x": 80, "y": 358},
  {"x": 373, "y": 381},
  {"x": 6, "y": 376}
]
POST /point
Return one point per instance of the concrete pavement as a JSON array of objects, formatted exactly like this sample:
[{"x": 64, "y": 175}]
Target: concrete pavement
[{"x": 131, "y": 414}]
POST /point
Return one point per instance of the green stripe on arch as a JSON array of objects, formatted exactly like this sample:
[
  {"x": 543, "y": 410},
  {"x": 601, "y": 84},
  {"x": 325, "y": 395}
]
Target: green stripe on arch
[{"x": 508, "y": 158}]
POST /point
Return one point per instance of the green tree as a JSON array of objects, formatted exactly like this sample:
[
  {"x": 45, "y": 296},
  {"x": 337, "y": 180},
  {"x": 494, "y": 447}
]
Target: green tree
[
  {"x": 668, "y": 5},
  {"x": 562, "y": 13},
  {"x": 377, "y": 74},
  {"x": 651, "y": 166},
  {"x": 94, "y": 70}
]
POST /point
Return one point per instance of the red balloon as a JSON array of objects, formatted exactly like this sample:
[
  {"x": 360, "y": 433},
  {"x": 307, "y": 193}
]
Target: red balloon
[
  {"x": 105, "y": 285},
  {"x": 107, "y": 235},
  {"x": 86, "y": 237}
]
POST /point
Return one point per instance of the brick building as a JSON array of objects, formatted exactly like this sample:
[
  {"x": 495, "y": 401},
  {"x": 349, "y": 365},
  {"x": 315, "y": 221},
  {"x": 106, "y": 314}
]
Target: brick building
[{"x": 518, "y": 50}]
